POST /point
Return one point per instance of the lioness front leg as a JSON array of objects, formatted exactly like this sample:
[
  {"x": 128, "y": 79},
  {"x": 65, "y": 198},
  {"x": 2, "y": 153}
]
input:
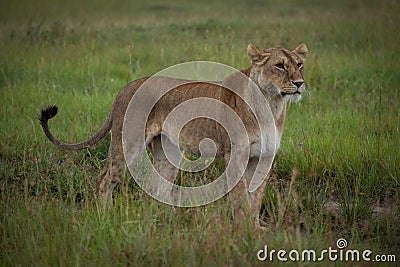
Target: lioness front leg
[{"x": 246, "y": 205}]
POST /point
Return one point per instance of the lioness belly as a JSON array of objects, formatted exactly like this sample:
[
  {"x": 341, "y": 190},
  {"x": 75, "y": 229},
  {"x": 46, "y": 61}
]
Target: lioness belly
[{"x": 202, "y": 137}]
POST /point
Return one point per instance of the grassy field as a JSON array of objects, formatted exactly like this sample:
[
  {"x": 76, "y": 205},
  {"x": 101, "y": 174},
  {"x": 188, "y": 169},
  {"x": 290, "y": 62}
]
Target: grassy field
[{"x": 343, "y": 138}]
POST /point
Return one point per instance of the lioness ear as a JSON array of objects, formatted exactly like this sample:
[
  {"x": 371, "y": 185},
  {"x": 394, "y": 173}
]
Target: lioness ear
[
  {"x": 301, "y": 50},
  {"x": 255, "y": 54}
]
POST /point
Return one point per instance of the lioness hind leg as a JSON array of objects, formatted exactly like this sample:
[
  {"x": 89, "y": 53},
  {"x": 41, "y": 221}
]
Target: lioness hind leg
[
  {"x": 112, "y": 171},
  {"x": 162, "y": 164},
  {"x": 101, "y": 180}
]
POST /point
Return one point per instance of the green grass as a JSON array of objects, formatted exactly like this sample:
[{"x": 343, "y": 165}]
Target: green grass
[{"x": 343, "y": 137}]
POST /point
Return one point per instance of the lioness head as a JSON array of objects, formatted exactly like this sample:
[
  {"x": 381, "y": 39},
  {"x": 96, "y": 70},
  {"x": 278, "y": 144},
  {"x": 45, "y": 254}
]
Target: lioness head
[{"x": 279, "y": 71}]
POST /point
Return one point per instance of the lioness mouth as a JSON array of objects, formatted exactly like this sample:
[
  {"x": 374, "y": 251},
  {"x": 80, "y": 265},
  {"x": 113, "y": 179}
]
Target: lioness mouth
[{"x": 297, "y": 92}]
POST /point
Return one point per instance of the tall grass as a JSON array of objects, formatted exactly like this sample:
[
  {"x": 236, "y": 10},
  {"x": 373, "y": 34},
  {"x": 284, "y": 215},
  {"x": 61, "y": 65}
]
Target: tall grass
[{"x": 343, "y": 138}]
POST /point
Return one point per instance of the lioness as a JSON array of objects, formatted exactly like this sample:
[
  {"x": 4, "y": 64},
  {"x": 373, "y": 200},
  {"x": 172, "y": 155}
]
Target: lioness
[{"x": 278, "y": 73}]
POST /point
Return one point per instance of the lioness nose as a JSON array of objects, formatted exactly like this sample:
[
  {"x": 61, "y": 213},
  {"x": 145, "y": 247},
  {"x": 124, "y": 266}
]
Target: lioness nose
[{"x": 298, "y": 83}]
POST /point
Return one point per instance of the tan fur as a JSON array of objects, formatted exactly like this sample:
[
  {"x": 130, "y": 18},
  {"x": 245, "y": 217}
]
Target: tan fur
[{"x": 278, "y": 72}]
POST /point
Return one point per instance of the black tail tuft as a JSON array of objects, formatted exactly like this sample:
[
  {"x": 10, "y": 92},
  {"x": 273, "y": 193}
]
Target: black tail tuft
[{"x": 47, "y": 113}]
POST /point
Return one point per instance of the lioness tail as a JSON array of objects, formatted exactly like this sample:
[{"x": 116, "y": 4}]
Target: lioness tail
[{"x": 49, "y": 112}]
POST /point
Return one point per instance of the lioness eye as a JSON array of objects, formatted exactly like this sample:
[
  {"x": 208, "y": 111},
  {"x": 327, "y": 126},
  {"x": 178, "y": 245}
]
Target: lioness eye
[
  {"x": 300, "y": 65},
  {"x": 280, "y": 66}
]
